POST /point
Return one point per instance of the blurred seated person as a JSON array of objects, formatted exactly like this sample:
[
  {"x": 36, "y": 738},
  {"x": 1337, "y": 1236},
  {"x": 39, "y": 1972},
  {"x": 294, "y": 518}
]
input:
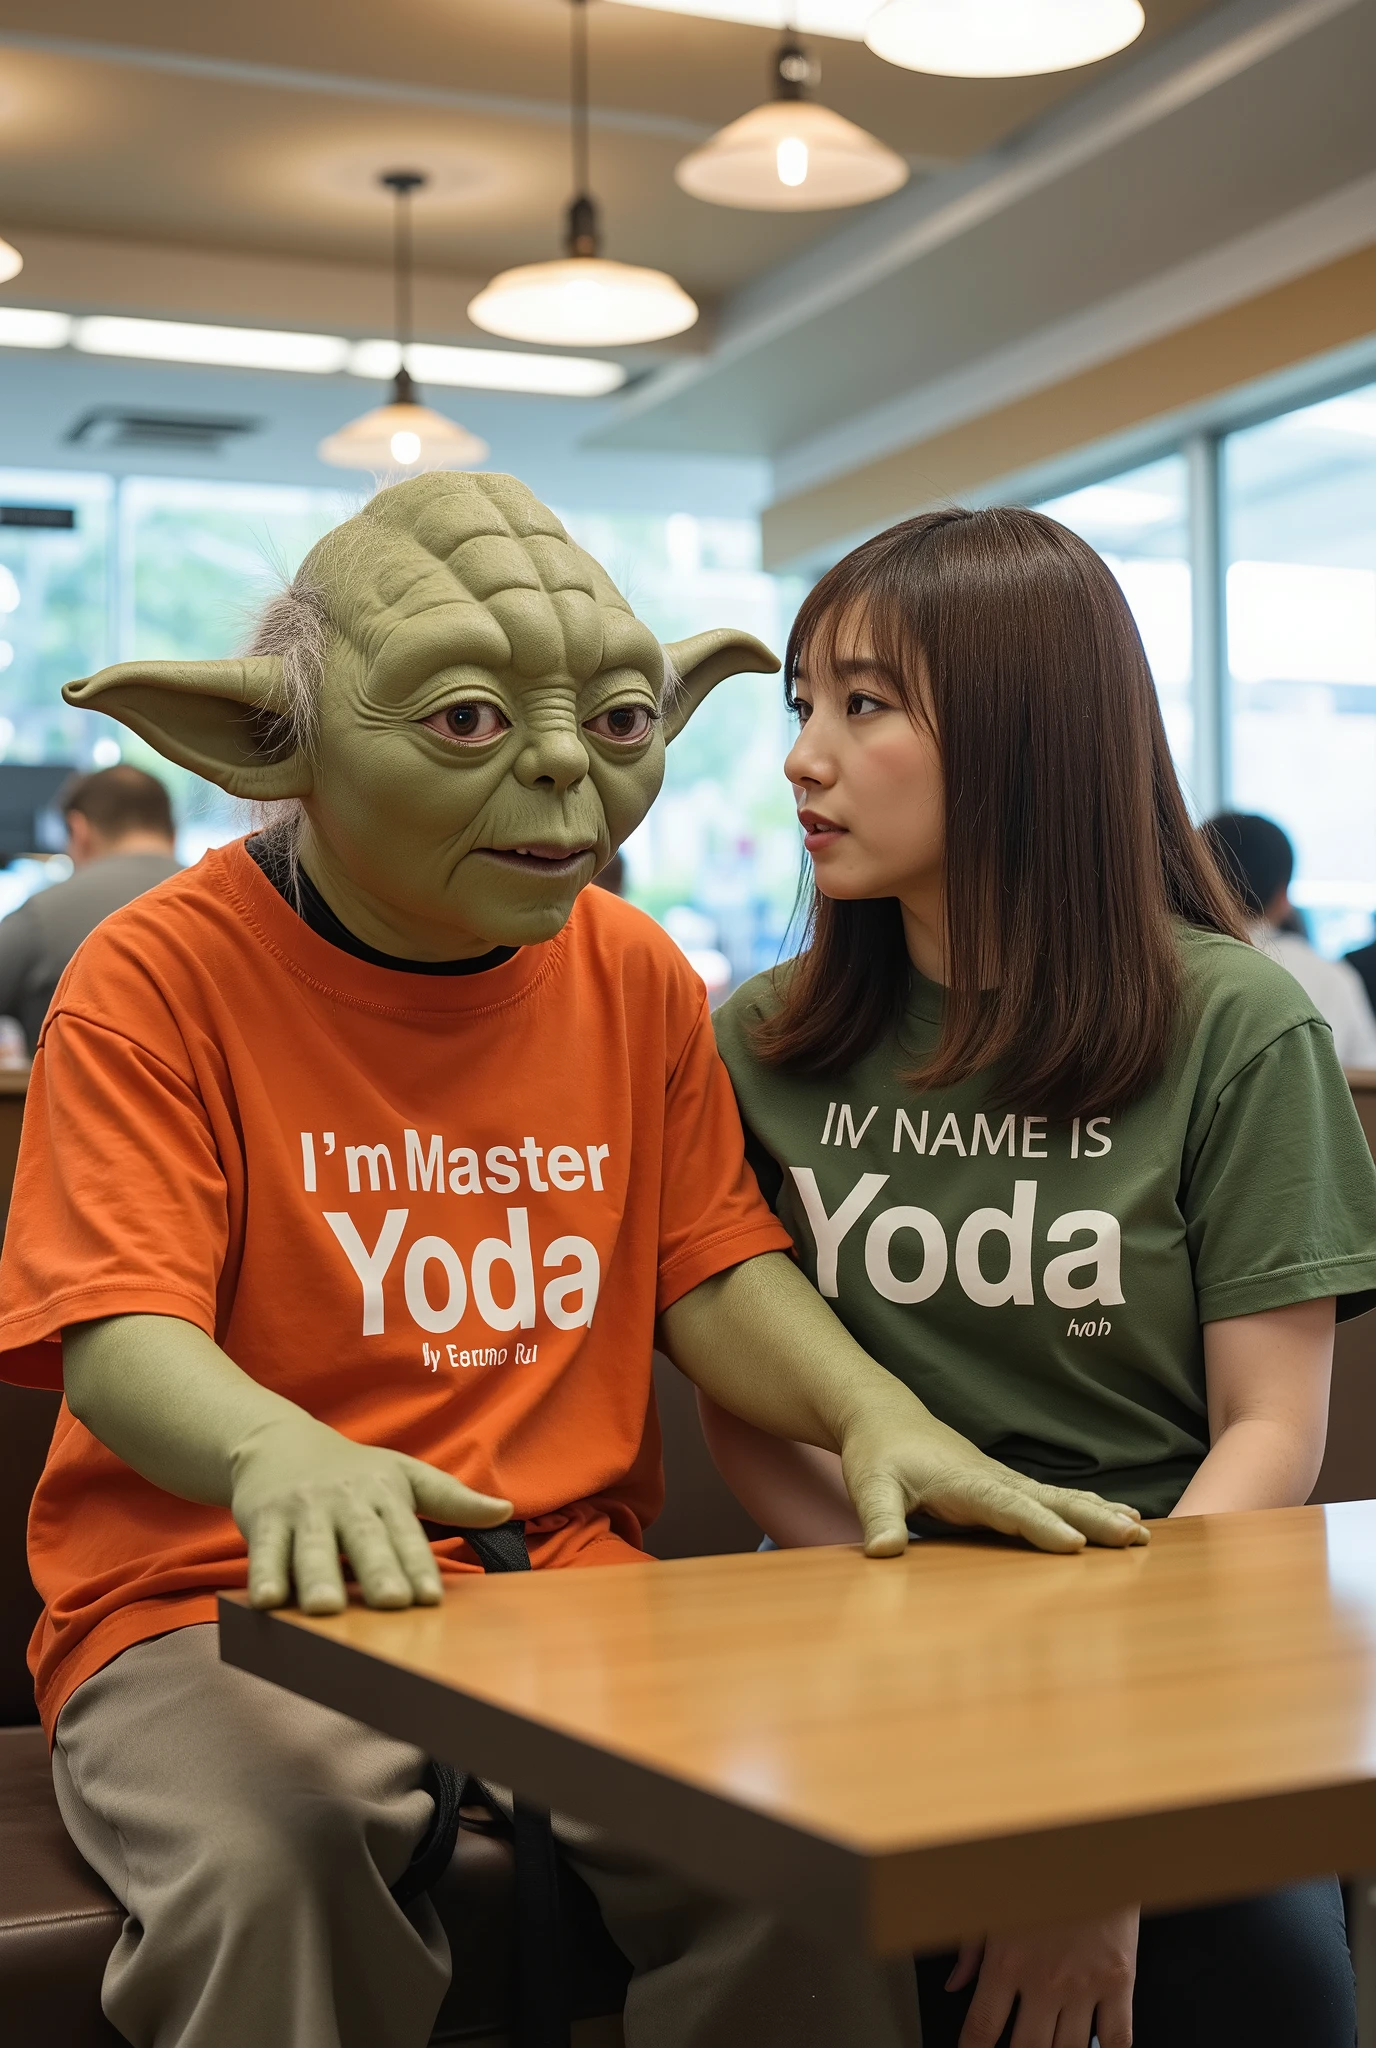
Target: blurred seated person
[
  {"x": 120, "y": 842},
  {"x": 1363, "y": 960},
  {"x": 1258, "y": 860}
]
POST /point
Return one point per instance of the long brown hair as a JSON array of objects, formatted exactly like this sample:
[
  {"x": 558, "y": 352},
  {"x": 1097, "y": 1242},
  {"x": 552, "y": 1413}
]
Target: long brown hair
[{"x": 1069, "y": 851}]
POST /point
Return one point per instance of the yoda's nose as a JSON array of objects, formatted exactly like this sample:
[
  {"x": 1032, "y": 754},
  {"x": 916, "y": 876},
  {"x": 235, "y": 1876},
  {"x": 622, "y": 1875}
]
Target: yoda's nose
[{"x": 556, "y": 758}]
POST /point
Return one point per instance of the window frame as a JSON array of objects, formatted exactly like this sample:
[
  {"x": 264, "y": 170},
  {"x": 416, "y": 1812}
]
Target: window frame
[{"x": 1199, "y": 435}]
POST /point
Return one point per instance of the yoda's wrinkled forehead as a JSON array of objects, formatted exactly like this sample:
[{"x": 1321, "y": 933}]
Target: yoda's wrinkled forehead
[{"x": 451, "y": 570}]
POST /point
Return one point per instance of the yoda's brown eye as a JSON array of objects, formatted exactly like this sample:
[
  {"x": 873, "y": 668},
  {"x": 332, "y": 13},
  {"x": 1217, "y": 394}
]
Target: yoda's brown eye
[
  {"x": 624, "y": 722},
  {"x": 473, "y": 722}
]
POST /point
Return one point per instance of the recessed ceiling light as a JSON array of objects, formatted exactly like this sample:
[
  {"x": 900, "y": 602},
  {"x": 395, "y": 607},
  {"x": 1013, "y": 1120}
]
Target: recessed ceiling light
[
  {"x": 11, "y": 262},
  {"x": 22, "y": 328},
  {"x": 489, "y": 369},
  {"x": 810, "y": 17},
  {"x": 236, "y": 348}
]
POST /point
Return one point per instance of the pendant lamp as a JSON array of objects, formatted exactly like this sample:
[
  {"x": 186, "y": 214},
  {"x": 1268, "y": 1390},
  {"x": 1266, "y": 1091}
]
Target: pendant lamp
[
  {"x": 11, "y": 262},
  {"x": 1001, "y": 38},
  {"x": 584, "y": 297},
  {"x": 791, "y": 155},
  {"x": 404, "y": 436}
]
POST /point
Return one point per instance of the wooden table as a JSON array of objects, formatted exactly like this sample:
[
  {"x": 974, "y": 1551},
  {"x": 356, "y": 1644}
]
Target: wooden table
[{"x": 898, "y": 1752}]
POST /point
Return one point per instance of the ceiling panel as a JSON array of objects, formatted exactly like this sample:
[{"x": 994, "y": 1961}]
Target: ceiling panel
[{"x": 262, "y": 126}]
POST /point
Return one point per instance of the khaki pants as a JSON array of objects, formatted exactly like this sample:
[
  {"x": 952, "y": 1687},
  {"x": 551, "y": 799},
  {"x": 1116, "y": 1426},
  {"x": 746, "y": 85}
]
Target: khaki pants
[{"x": 252, "y": 1837}]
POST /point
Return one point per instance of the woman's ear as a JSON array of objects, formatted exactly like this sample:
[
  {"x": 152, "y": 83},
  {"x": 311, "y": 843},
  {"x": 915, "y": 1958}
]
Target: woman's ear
[
  {"x": 208, "y": 716},
  {"x": 697, "y": 665}
]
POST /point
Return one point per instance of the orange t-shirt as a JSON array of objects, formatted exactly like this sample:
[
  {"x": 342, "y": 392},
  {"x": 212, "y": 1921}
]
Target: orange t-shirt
[{"x": 441, "y": 1212}]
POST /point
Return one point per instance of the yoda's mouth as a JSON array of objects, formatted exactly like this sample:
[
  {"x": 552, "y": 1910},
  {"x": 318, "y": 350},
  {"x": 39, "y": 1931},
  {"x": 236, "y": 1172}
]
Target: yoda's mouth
[{"x": 550, "y": 863}]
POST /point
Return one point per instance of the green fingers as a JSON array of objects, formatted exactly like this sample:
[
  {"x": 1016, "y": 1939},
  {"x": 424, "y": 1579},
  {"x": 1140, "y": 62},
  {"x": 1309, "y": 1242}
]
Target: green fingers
[
  {"x": 956, "y": 1483},
  {"x": 1109, "y": 1522},
  {"x": 442, "y": 1499},
  {"x": 881, "y": 1502},
  {"x": 269, "y": 1561},
  {"x": 326, "y": 1499}
]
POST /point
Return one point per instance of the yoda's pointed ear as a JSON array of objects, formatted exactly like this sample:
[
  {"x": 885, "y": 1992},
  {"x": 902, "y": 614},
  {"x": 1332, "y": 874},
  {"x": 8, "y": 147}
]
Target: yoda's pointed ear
[
  {"x": 209, "y": 716},
  {"x": 703, "y": 662}
]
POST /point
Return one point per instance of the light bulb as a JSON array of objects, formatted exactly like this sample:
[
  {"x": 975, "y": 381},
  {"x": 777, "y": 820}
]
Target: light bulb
[
  {"x": 791, "y": 158},
  {"x": 405, "y": 446}
]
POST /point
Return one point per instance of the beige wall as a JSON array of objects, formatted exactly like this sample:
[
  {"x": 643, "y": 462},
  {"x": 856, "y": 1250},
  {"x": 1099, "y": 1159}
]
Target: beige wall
[{"x": 1325, "y": 309}]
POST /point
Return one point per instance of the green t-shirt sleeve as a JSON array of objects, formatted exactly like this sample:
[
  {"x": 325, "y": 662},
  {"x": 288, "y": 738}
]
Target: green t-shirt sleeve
[{"x": 1279, "y": 1198}]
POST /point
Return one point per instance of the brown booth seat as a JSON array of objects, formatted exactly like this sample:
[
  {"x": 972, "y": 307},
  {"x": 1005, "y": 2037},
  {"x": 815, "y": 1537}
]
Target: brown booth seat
[{"x": 58, "y": 1922}]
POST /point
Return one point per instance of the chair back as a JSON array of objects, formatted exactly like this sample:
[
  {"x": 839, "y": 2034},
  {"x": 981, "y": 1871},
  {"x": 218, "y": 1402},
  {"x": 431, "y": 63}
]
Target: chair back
[{"x": 1349, "y": 1464}]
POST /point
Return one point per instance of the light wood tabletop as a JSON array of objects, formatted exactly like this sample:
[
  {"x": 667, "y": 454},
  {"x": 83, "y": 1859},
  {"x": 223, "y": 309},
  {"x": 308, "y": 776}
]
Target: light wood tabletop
[{"x": 902, "y": 1751}]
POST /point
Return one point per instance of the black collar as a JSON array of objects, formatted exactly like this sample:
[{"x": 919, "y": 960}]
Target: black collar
[{"x": 296, "y": 888}]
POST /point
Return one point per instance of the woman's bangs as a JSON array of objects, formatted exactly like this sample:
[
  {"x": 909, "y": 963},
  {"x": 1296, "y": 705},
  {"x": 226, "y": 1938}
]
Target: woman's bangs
[{"x": 825, "y": 631}]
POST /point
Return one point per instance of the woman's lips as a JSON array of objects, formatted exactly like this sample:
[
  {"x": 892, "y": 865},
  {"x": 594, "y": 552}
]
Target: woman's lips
[{"x": 819, "y": 832}]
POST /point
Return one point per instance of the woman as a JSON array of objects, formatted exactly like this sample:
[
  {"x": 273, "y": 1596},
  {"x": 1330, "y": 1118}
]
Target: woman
[{"x": 1065, "y": 1153}]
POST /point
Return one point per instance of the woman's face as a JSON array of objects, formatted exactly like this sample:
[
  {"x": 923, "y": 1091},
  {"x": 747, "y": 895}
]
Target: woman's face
[{"x": 867, "y": 779}]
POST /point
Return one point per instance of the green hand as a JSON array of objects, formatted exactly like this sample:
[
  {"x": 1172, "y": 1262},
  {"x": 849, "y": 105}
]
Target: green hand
[
  {"x": 761, "y": 1343},
  {"x": 903, "y": 1461},
  {"x": 162, "y": 1395},
  {"x": 302, "y": 1494}
]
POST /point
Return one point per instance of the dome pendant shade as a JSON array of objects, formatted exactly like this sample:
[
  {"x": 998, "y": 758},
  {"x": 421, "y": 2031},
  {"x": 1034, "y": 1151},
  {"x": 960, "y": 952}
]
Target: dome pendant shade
[
  {"x": 791, "y": 156},
  {"x": 585, "y": 300},
  {"x": 582, "y": 297},
  {"x": 402, "y": 438},
  {"x": 11, "y": 262},
  {"x": 1001, "y": 38}
]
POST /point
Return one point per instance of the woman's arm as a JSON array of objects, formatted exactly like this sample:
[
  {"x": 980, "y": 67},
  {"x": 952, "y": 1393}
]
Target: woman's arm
[
  {"x": 1267, "y": 1378},
  {"x": 795, "y": 1492}
]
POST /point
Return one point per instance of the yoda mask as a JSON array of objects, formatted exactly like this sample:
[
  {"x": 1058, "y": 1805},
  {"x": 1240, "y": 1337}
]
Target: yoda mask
[{"x": 466, "y": 709}]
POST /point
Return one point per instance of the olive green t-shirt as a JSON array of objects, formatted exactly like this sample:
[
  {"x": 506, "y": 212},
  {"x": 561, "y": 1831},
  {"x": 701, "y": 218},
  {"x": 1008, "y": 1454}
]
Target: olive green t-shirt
[{"x": 1041, "y": 1285}]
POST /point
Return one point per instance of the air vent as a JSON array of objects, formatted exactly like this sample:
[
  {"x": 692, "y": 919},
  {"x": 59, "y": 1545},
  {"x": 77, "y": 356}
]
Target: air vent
[
  {"x": 197, "y": 433},
  {"x": 38, "y": 515}
]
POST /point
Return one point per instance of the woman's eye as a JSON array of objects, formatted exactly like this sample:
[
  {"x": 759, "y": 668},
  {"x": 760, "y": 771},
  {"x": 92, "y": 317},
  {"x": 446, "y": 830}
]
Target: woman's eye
[
  {"x": 802, "y": 710},
  {"x": 860, "y": 706},
  {"x": 471, "y": 722},
  {"x": 625, "y": 723}
]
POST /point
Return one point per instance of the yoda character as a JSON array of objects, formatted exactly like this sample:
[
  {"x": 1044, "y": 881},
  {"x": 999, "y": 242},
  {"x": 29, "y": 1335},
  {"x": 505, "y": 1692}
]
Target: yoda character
[{"x": 363, "y": 1163}]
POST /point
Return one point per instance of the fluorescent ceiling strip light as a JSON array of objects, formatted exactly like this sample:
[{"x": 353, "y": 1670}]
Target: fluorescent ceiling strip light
[
  {"x": 845, "y": 18},
  {"x": 260, "y": 348},
  {"x": 489, "y": 369},
  {"x": 236, "y": 348},
  {"x": 21, "y": 328}
]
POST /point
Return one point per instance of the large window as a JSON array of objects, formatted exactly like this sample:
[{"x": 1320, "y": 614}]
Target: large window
[
  {"x": 1300, "y": 531},
  {"x": 1281, "y": 518},
  {"x": 162, "y": 568},
  {"x": 54, "y": 608},
  {"x": 717, "y": 859},
  {"x": 1140, "y": 524}
]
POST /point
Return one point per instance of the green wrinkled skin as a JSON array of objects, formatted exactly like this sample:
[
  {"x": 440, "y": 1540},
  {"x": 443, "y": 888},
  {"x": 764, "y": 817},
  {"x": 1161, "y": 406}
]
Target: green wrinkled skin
[{"x": 465, "y": 591}]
